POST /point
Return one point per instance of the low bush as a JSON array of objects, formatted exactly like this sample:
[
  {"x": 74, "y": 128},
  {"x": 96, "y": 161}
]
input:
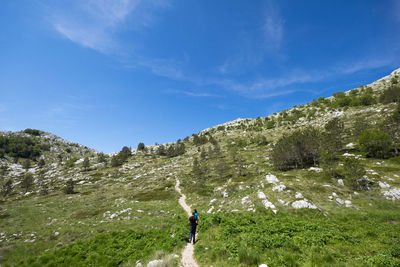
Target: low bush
[{"x": 375, "y": 143}]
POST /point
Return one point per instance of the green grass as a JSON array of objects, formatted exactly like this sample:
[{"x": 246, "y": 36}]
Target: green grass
[
  {"x": 302, "y": 238},
  {"x": 115, "y": 248}
]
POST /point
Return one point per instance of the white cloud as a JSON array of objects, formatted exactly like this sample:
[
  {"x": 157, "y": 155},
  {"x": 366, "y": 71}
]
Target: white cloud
[
  {"x": 367, "y": 64},
  {"x": 273, "y": 26},
  {"x": 96, "y": 23},
  {"x": 263, "y": 40},
  {"x": 193, "y": 93},
  {"x": 163, "y": 67},
  {"x": 266, "y": 88}
]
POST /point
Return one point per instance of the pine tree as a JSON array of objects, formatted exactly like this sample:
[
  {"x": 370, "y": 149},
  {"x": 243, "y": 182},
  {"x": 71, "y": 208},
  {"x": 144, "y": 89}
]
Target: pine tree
[
  {"x": 116, "y": 161},
  {"x": 334, "y": 131},
  {"x": 141, "y": 147},
  {"x": 196, "y": 170},
  {"x": 26, "y": 164},
  {"x": 161, "y": 150},
  {"x": 391, "y": 125},
  {"x": 69, "y": 187},
  {"x": 240, "y": 165},
  {"x": 86, "y": 164},
  {"x": 44, "y": 189},
  {"x": 27, "y": 181},
  {"x": 221, "y": 168},
  {"x": 101, "y": 158},
  {"x": 41, "y": 163},
  {"x": 7, "y": 187}
]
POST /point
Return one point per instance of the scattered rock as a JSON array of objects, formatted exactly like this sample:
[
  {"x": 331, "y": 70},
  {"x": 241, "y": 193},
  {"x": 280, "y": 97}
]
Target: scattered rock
[
  {"x": 392, "y": 194},
  {"x": 303, "y": 204},
  {"x": 154, "y": 263},
  {"x": 299, "y": 195},
  {"x": 339, "y": 201},
  {"x": 350, "y": 146},
  {"x": 210, "y": 210},
  {"x": 279, "y": 188},
  {"x": 348, "y": 203},
  {"x": 272, "y": 179},
  {"x": 383, "y": 185}
]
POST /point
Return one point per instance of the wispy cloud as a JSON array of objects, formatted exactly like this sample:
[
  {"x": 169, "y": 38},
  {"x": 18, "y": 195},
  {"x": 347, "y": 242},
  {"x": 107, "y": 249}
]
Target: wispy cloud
[
  {"x": 368, "y": 64},
  {"x": 193, "y": 93},
  {"x": 267, "y": 88},
  {"x": 273, "y": 26},
  {"x": 163, "y": 67},
  {"x": 95, "y": 23},
  {"x": 286, "y": 84},
  {"x": 263, "y": 40}
]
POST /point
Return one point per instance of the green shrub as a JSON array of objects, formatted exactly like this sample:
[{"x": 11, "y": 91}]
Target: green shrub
[
  {"x": 353, "y": 170},
  {"x": 375, "y": 143},
  {"x": 71, "y": 162},
  {"x": 69, "y": 187},
  {"x": 33, "y": 132},
  {"x": 299, "y": 149},
  {"x": 19, "y": 147},
  {"x": 391, "y": 94}
]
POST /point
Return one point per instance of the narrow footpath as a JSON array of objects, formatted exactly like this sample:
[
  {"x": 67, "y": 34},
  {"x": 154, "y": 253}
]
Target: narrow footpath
[{"x": 187, "y": 253}]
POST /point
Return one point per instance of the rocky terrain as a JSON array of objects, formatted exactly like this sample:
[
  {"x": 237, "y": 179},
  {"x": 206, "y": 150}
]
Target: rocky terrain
[{"x": 67, "y": 193}]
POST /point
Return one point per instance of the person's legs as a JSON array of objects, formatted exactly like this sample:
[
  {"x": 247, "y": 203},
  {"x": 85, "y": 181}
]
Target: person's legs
[
  {"x": 194, "y": 234},
  {"x": 191, "y": 236}
]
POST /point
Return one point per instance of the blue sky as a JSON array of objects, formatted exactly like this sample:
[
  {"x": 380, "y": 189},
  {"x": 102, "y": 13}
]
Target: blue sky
[{"x": 109, "y": 73}]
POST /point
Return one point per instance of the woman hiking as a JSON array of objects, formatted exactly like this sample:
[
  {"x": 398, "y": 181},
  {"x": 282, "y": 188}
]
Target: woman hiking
[
  {"x": 196, "y": 214},
  {"x": 193, "y": 225}
]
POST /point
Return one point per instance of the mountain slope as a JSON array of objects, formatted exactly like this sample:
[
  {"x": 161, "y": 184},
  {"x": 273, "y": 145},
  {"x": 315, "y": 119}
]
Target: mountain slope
[{"x": 251, "y": 212}]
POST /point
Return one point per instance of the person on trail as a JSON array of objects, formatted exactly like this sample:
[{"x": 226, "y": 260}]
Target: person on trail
[
  {"x": 197, "y": 216},
  {"x": 193, "y": 225}
]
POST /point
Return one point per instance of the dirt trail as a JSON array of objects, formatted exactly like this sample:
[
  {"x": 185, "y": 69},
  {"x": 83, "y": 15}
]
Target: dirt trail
[{"x": 187, "y": 253}]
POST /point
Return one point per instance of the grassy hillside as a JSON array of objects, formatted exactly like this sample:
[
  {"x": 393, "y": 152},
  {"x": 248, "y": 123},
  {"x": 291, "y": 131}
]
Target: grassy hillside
[{"x": 340, "y": 208}]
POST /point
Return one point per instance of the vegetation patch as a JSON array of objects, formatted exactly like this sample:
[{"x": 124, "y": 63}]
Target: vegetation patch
[
  {"x": 113, "y": 248},
  {"x": 301, "y": 238}
]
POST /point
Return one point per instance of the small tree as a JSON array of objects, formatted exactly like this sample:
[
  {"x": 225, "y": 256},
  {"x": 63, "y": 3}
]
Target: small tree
[
  {"x": 221, "y": 168},
  {"x": 196, "y": 169},
  {"x": 240, "y": 165},
  {"x": 391, "y": 125},
  {"x": 141, "y": 147},
  {"x": 353, "y": 170},
  {"x": 27, "y": 181},
  {"x": 115, "y": 161},
  {"x": 329, "y": 164},
  {"x": 375, "y": 143},
  {"x": 44, "y": 189},
  {"x": 26, "y": 163},
  {"x": 161, "y": 150},
  {"x": 125, "y": 152},
  {"x": 86, "y": 164},
  {"x": 7, "y": 187},
  {"x": 69, "y": 187},
  {"x": 333, "y": 136},
  {"x": 101, "y": 158},
  {"x": 41, "y": 163}
]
